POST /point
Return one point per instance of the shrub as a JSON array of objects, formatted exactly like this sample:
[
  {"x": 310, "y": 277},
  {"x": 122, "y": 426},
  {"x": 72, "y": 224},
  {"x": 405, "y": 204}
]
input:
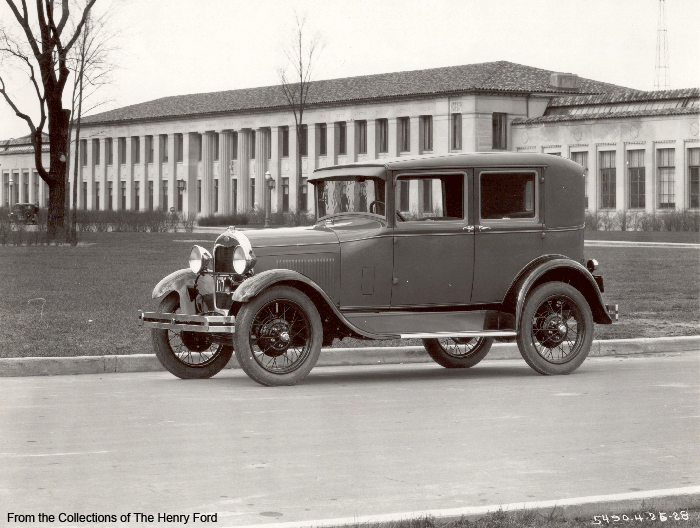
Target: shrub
[{"x": 257, "y": 217}]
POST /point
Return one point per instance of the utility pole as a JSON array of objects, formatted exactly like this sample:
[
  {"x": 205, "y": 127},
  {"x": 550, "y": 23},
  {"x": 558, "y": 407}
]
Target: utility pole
[{"x": 662, "y": 76}]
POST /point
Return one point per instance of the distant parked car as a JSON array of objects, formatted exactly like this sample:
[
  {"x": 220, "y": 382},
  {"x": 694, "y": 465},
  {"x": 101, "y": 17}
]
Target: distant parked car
[
  {"x": 24, "y": 213},
  {"x": 455, "y": 250}
]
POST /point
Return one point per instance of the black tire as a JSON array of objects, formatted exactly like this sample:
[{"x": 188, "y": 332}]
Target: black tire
[
  {"x": 278, "y": 336},
  {"x": 556, "y": 329},
  {"x": 188, "y": 355},
  {"x": 458, "y": 352}
]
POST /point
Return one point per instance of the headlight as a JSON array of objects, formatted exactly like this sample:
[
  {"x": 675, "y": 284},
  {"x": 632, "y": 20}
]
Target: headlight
[
  {"x": 240, "y": 263},
  {"x": 200, "y": 259},
  {"x": 592, "y": 265}
]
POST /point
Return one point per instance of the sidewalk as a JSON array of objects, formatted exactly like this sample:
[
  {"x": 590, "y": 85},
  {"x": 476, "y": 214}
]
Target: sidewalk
[{"x": 52, "y": 366}]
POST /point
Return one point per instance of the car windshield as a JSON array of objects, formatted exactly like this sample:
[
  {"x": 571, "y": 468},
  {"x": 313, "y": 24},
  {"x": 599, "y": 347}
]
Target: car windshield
[{"x": 350, "y": 194}]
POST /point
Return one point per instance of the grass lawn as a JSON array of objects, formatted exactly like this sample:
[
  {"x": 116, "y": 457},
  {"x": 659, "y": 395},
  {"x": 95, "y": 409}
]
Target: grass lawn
[{"x": 75, "y": 301}]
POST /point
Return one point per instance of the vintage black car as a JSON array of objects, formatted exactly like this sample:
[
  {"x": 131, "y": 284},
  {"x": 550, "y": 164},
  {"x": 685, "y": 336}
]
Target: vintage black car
[
  {"x": 454, "y": 250},
  {"x": 24, "y": 213}
]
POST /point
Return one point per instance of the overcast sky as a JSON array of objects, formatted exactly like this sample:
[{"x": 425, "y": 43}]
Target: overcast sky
[{"x": 178, "y": 47}]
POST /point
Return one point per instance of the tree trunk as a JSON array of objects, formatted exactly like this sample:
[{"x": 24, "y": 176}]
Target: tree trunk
[{"x": 58, "y": 137}]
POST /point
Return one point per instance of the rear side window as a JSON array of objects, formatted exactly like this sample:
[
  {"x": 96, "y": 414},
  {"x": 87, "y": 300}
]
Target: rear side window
[{"x": 508, "y": 195}]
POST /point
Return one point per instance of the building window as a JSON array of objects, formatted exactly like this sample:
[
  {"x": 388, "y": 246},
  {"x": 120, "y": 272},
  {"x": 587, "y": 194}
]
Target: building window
[
  {"x": 234, "y": 196},
  {"x": 362, "y": 137},
  {"x": 382, "y": 136},
  {"x": 252, "y": 192},
  {"x": 666, "y": 173},
  {"x": 285, "y": 195},
  {"x": 83, "y": 152},
  {"x": 123, "y": 194},
  {"x": 322, "y": 139},
  {"x": 302, "y": 196},
  {"x": 285, "y": 142},
  {"x": 179, "y": 148},
  {"x": 109, "y": 147},
  {"x": 84, "y": 195},
  {"x": 426, "y": 133},
  {"x": 199, "y": 196},
  {"x": 404, "y": 134},
  {"x": 97, "y": 196},
  {"x": 303, "y": 140},
  {"x": 404, "y": 195},
  {"x": 637, "y": 178},
  {"x": 342, "y": 139},
  {"x": 164, "y": 148},
  {"x": 200, "y": 141},
  {"x": 149, "y": 149},
  {"x": 582, "y": 159},
  {"x": 234, "y": 146},
  {"x": 110, "y": 194},
  {"x": 215, "y": 141},
  {"x": 456, "y": 131},
  {"x": 96, "y": 151},
  {"x": 252, "y": 144},
  {"x": 6, "y": 188},
  {"x": 137, "y": 196},
  {"x": 180, "y": 194},
  {"x": 216, "y": 196},
  {"x": 164, "y": 196},
  {"x": 499, "y": 129},
  {"x": 427, "y": 195},
  {"x": 607, "y": 179},
  {"x": 694, "y": 177},
  {"x": 150, "y": 195},
  {"x": 136, "y": 147}
]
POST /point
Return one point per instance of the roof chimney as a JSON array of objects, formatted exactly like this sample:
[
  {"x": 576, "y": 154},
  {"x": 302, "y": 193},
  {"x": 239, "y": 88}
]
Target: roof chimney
[{"x": 564, "y": 81}]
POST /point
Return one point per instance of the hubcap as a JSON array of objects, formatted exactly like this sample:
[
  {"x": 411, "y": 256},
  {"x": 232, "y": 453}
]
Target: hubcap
[
  {"x": 280, "y": 336},
  {"x": 556, "y": 330}
]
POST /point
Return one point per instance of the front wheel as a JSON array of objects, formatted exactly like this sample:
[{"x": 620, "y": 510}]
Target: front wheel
[
  {"x": 188, "y": 355},
  {"x": 556, "y": 329},
  {"x": 458, "y": 352},
  {"x": 278, "y": 336}
]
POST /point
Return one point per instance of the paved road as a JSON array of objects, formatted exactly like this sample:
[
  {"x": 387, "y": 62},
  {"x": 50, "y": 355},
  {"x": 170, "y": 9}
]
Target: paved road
[{"x": 350, "y": 441}]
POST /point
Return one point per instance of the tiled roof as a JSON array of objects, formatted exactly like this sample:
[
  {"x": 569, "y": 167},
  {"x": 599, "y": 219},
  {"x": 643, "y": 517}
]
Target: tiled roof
[
  {"x": 22, "y": 145},
  {"x": 499, "y": 76},
  {"x": 626, "y": 96},
  {"x": 608, "y": 115},
  {"x": 623, "y": 104}
]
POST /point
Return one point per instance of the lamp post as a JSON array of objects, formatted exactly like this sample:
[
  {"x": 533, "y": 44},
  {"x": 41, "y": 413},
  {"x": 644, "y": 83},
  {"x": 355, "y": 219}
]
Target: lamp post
[{"x": 269, "y": 185}]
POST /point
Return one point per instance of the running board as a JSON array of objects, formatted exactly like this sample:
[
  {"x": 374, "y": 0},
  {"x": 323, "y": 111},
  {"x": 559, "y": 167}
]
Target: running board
[
  {"x": 431, "y": 324},
  {"x": 442, "y": 335}
]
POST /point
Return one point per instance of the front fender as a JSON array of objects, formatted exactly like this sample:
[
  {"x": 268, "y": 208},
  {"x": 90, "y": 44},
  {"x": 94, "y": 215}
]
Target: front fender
[
  {"x": 560, "y": 269},
  {"x": 183, "y": 282},
  {"x": 254, "y": 285}
]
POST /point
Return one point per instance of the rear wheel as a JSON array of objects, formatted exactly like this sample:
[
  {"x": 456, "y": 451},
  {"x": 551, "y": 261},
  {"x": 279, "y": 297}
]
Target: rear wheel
[
  {"x": 556, "y": 329},
  {"x": 278, "y": 336},
  {"x": 458, "y": 352},
  {"x": 188, "y": 355}
]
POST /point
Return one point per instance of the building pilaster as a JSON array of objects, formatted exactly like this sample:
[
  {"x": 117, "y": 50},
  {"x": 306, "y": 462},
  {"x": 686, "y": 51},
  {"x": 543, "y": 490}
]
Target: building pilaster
[
  {"x": 207, "y": 173},
  {"x": 143, "y": 174},
  {"x": 351, "y": 141},
  {"x": 102, "y": 174},
  {"x": 393, "y": 139},
  {"x": 225, "y": 152},
  {"x": 156, "y": 172},
  {"x": 274, "y": 168},
  {"x": 244, "y": 201}
]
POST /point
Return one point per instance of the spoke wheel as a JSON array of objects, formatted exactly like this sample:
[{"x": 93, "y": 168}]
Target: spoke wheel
[
  {"x": 188, "y": 355},
  {"x": 556, "y": 330},
  {"x": 278, "y": 336},
  {"x": 458, "y": 352}
]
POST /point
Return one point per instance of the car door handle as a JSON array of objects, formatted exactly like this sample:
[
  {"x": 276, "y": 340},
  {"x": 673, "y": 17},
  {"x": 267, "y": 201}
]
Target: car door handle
[
  {"x": 468, "y": 229},
  {"x": 483, "y": 228}
]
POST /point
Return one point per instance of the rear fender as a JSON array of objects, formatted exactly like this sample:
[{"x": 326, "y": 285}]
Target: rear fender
[{"x": 556, "y": 268}]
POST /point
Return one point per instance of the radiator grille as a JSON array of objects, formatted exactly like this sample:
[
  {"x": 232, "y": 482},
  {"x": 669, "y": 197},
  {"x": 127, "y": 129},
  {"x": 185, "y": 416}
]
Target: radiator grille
[{"x": 223, "y": 259}]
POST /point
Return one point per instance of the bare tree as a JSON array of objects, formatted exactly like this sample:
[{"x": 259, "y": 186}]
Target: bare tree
[
  {"x": 302, "y": 54},
  {"x": 45, "y": 48},
  {"x": 90, "y": 61}
]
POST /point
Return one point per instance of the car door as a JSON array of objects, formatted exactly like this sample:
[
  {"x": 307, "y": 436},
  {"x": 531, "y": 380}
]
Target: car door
[
  {"x": 433, "y": 243},
  {"x": 508, "y": 228}
]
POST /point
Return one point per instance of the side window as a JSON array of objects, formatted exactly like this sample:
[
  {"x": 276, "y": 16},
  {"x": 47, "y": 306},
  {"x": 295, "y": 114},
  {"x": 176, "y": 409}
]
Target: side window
[
  {"x": 434, "y": 197},
  {"x": 508, "y": 196}
]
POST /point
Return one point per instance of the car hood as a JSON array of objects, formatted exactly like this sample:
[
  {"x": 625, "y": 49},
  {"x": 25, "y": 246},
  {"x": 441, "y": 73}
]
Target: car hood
[{"x": 287, "y": 240}]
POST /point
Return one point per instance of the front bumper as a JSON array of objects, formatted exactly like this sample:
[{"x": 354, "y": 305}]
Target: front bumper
[{"x": 214, "y": 324}]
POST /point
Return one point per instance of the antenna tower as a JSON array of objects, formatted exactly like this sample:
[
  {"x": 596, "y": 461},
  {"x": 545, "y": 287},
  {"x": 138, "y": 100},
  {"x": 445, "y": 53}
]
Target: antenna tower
[{"x": 662, "y": 77}]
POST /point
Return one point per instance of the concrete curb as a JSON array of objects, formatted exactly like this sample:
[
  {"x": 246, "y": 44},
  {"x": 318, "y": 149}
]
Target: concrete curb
[{"x": 330, "y": 357}]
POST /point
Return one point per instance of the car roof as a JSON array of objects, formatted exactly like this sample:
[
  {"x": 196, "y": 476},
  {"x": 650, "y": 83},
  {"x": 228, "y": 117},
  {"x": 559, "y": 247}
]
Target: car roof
[{"x": 442, "y": 161}]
